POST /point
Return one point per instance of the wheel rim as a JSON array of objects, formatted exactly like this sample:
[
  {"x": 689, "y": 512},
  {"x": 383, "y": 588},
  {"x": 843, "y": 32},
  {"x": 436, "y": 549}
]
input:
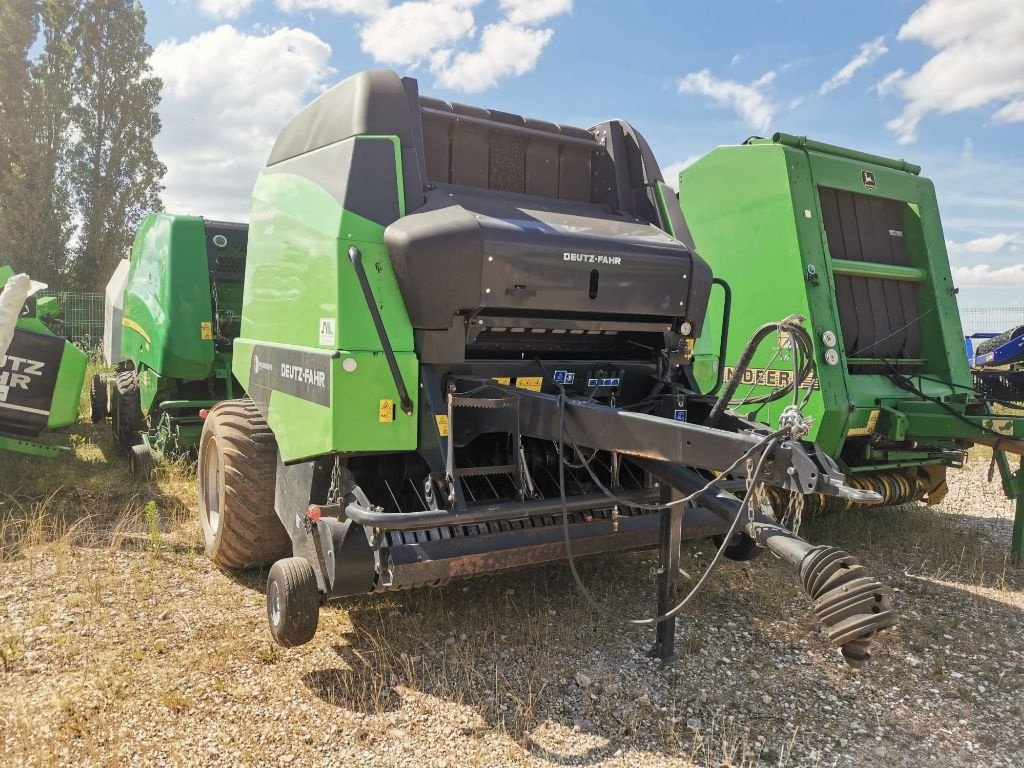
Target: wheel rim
[
  {"x": 211, "y": 471},
  {"x": 275, "y": 605}
]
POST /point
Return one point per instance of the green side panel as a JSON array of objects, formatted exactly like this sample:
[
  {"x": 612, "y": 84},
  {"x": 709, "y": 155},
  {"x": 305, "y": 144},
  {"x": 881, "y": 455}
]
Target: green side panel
[
  {"x": 756, "y": 216},
  {"x": 298, "y": 273},
  {"x": 749, "y": 235},
  {"x": 32, "y": 447},
  {"x": 352, "y": 423},
  {"x": 167, "y": 298},
  {"x": 68, "y": 389},
  {"x": 73, "y": 362},
  {"x": 302, "y": 294},
  {"x": 150, "y": 385}
]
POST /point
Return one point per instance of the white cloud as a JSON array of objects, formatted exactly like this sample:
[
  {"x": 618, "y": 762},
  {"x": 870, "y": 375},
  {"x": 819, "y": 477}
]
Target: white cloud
[
  {"x": 534, "y": 11},
  {"x": 982, "y": 245},
  {"x": 441, "y": 35},
  {"x": 226, "y": 96},
  {"x": 413, "y": 32},
  {"x": 505, "y": 49},
  {"x": 748, "y": 101},
  {"x": 1011, "y": 113},
  {"x": 224, "y": 9},
  {"x": 869, "y": 53},
  {"x": 671, "y": 172},
  {"x": 359, "y": 7},
  {"x": 979, "y": 61},
  {"x": 984, "y": 276},
  {"x": 890, "y": 83}
]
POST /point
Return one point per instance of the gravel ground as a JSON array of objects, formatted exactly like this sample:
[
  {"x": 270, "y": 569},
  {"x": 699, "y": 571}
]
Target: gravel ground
[{"x": 125, "y": 647}]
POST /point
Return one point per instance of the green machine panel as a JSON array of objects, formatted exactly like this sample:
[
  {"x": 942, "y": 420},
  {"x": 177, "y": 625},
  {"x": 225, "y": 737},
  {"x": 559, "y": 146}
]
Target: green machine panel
[
  {"x": 309, "y": 354},
  {"x": 167, "y": 318},
  {"x": 853, "y": 243}
]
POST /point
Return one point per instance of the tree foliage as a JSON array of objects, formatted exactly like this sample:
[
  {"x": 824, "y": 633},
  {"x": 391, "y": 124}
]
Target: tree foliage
[{"x": 77, "y": 123}]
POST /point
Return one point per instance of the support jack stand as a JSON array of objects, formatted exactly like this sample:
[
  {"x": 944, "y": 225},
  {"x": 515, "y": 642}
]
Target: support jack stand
[{"x": 669, "y": 541}]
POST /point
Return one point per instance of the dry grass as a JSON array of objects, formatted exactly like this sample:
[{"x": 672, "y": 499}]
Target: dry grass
[{"x": 120, "y": 643}]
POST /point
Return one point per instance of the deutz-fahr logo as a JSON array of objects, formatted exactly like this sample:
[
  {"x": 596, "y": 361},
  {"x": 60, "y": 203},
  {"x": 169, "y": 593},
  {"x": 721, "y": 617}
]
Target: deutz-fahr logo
[
  {"x": 591, "y": 258},
  {"x": 18, "y": 374}
]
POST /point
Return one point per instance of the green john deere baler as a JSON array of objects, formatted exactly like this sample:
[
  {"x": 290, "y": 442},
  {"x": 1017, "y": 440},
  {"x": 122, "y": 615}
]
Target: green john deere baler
[
  {"x": 172, "y": 321},
  {"x": 853, "y": 243},
  {"x": 466, "y": 347}
]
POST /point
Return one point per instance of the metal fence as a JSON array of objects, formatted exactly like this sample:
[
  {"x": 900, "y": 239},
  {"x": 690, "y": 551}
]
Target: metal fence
[
  {"x": 990, "y": 319},
  {"x": 81, "y": 316}
]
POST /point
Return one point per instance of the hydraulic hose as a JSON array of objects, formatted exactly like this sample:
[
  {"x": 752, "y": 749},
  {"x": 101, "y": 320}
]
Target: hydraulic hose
[{"x": 800, "y": 339}]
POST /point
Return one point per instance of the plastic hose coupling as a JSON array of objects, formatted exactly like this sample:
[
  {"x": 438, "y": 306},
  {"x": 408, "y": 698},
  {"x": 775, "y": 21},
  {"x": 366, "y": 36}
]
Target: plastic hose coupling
[{"x": 852, "y": 605}]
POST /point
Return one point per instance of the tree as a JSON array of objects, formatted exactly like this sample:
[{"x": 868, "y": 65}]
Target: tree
[
  {"x": 19, "y": 27},
  {"x": 114, "y": 172}
]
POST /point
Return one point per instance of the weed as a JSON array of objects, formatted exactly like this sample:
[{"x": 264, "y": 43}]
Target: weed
[
  {"x": 10, "y": 649},
  {"x": 175, "y": 700},
  {"x": 153, "y": 523},
  {"x": 268, "y": 654}
]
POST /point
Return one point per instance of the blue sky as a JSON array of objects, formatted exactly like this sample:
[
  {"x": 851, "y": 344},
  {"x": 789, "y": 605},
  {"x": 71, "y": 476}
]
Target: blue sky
[{"x": 939, "y": 82}]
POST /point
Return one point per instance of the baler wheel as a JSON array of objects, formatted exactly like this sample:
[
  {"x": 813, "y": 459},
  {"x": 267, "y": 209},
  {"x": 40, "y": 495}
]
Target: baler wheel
[
  {"x": 237, "y": 472},
  {"x": 126, "y": 415},
  {"x": 99, "y": 405},
  {"x": 293, "y": 602},
  {"x": 140, "y": 462}
]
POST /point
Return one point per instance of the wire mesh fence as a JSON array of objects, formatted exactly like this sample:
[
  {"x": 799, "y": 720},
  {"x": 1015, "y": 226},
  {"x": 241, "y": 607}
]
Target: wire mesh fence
[
  {"x": 990, "y": 319},
  {"x": 81, "y": 317}
]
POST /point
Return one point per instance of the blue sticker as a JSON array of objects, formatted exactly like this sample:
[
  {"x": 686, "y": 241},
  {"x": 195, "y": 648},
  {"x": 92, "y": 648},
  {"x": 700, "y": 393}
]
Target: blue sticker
[
  {"x": 593, "y": 382},
  {"x": 680, "y": 414},
  {"x": 560, "y": 377},
  {"x": 570, "y": 377}
]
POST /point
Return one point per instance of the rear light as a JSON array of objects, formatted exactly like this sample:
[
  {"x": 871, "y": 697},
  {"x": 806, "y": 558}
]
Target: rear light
[
  {"x": 203, "y": 413},
  {"x": 313, "y": 513}
]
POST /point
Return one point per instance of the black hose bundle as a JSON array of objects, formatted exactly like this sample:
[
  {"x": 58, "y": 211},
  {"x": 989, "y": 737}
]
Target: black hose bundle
[{"x": 802, "y": 347}]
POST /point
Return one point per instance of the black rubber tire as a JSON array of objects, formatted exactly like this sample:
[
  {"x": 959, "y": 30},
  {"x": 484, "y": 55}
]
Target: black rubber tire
[
  {"x": 293, "y": 602},
  {"x": 140, "y": 462},
  {"x": 99, "y": 399},
  {"x": 126, "y": 419},
  {"x": 989, "y": 345},
  {"x": 741, "y": 549},
  {"x": 237, "y": 472}
]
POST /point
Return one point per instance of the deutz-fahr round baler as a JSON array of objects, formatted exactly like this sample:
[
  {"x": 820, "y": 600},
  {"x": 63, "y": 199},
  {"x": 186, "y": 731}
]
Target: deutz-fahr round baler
[{"x": 466, "y": 343}]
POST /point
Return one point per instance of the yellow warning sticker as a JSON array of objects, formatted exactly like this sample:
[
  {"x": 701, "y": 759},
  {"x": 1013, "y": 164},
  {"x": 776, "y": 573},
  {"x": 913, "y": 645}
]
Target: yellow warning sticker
[
  {"x": 387, "y": 411},
  {"x": 442, "y": 425},
  {"x": 770, "y": 377},
  {"x": 206, "y": 331},
  {"x": 868, "y": 429},
  {"x": 506, "y": 380},
  {"x": 532, "y": 383}
]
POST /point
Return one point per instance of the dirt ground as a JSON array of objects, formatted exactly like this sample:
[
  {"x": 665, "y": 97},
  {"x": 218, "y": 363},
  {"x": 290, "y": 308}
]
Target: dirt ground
[{"x": 122, "y": 645}]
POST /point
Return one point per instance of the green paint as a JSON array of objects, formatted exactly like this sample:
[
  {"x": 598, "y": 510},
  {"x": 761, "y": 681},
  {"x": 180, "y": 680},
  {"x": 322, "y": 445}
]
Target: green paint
[
  {"x": 167, "y": 299},
  {"x": 73, "y": 362},
  {"x": 31, "y": 447},
  {"x": 754, "y": 213},
  {"x": 298, "y": 277},
  {"x": 869, "y": 269},
  {"x": 167, "y": 304}
]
